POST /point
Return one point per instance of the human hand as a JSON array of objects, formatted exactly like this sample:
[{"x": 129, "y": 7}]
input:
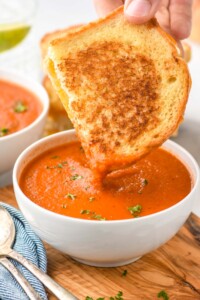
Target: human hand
[{"x": 173, "y": 15}]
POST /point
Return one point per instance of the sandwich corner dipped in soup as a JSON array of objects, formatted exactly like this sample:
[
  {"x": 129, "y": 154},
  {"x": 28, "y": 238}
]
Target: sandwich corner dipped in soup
[{"x": 125, "y": 88}]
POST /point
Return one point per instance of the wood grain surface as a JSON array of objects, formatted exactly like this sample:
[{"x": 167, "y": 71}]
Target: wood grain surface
[{"x": 175, "y": 268}]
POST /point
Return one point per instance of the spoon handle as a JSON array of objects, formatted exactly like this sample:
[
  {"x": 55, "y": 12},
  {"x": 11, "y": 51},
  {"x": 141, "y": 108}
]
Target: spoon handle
[
  {"x": 28, "y": 289},
  {"x": 54, "y": 287}
]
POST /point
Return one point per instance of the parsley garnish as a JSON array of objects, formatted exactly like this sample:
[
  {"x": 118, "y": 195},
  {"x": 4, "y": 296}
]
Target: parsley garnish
[
  {"x": 55, "y": 156},
  {"x": 92, "y": 214},
  {"x": 71, "y": 196},
  {"x": 81, "y": 149},
  {"x": 85, "y": 211},
  {"x": 118, "y": 296},
  {"x": 90, "y": 298},
  {"x": 20, "y": 107},
  {"x": 91, "y": 199},
  {"x": 58, "y": 166},
  {"x": 163, "y": 294},
  {"x": 124, "y": 273},
  {"x": 145, "y": 182},
  {"x": 75, "y": 177},
  {"x": 135, "y": 210},
  {"x": 3, "y": 131},
  {"x": 98, "y": 217},
  {"x": 64, "y": 205},
  {"x": 87, "y": 187}
]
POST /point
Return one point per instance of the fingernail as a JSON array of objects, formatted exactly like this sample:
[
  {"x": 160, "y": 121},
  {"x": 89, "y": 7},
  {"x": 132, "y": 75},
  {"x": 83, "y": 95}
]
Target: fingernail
[{"x": 138, "y": 8}]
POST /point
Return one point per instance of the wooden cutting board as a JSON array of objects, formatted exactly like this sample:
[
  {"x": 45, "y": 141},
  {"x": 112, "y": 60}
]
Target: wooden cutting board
[{"x": 174, "y": 268}]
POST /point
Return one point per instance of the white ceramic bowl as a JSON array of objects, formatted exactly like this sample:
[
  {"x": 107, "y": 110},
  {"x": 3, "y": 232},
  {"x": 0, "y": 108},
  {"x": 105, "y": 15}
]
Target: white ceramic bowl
[
  {"x": 12, "y": 145},
  {"x": 105, "y": 243}
]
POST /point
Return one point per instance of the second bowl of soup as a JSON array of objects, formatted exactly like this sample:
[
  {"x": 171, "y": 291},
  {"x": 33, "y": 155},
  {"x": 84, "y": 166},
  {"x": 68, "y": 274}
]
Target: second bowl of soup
[{"x": 24, "y": 106}]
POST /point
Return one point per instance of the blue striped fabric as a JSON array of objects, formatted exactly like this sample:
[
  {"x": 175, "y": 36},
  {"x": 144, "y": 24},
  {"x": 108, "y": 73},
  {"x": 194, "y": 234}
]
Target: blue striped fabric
[{"x": 31, "y": 247}]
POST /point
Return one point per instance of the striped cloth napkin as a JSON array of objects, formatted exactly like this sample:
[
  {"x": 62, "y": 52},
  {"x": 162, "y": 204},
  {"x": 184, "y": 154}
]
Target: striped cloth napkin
[{"x": 31, "y": 247}]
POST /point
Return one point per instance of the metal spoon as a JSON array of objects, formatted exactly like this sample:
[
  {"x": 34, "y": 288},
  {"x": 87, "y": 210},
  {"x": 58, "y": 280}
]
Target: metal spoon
[
  {"x": 7, "y": 235},
  {"x": 28, "y": 289}
]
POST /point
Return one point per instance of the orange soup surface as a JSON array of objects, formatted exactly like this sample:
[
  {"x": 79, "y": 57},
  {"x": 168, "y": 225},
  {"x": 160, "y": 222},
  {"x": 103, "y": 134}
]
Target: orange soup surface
[
  {"x": 60, "y": 180},
  {"x": 19, "y": 108}
]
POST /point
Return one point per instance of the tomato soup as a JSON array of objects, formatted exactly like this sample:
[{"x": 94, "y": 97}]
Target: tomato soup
[
  {"x": 19, "y": 108},
  {"x": 60, "y": 181}
]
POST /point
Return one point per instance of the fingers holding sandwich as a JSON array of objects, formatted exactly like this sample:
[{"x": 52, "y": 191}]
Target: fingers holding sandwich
[
  {"x": 140, "y": 11},
  {"x": 173, "y": 15},
  {"x": 180, "y": 18}
]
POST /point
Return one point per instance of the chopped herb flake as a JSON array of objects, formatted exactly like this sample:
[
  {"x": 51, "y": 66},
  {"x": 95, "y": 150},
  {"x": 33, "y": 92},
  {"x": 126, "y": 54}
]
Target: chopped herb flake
[
  {"x": 145, "y": 182},
  {"x": 3, "y": 131},
  {"x": 75, "y": 177},
  {"x": 55, "y": 156},
  {"x": 135, "y": 210},
  {"x": 71, "y": 196},
  {"x": 81, "y": 149},
  {"x": 119, "y": 296},
  {"x": 72, "y": 168},
  {"x": 91, "y": 199},
  {"x": 98, "y": 217},
  {"x": 124, "y": 273},
  {"x": 163, "y": 294},
  {"x": 64, "y": 205},
  {"x": 87, "y": 187},
  {"x": 85, "y": 211},
  {"x": 59, "y": 166},
  {"x": 20, "y": 107}
]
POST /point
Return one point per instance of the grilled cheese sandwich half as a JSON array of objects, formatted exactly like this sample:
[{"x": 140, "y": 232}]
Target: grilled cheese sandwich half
[{"x": 124, "y": 87}]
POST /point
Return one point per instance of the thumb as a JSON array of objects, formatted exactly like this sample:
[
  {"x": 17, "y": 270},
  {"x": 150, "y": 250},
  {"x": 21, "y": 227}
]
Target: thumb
[{"x": 140, "y": 11}]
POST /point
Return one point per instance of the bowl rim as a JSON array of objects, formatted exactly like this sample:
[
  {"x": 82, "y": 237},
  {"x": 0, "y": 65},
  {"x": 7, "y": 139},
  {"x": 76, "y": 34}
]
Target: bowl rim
[
  {"x": 4, "y": 76},
  {"x": 111, "y": 222}
]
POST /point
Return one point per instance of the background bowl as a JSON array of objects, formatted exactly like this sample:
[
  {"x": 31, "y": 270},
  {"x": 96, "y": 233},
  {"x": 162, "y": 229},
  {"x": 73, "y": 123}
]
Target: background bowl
[
  {"x": 105, "y": 243},
  {"x": 12, "y": 145}
]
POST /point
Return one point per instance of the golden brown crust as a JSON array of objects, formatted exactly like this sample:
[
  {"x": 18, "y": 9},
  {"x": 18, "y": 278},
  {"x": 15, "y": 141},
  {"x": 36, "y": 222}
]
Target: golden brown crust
[
  {"x": 151, "y": 23},
  {"x": 119, "y": 95},
  {"x": 55, "y": 103},
  {"x": 47, "y": 38}
]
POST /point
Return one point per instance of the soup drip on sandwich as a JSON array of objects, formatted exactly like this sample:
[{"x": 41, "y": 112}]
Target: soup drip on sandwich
[{"x": 123, "y": 86}]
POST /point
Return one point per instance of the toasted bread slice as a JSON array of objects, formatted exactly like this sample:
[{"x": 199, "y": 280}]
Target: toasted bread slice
[
  {"x": 124, "y": 86},
  {"x": 57, "y": 118},
  {"x": 48, "y": 37}
]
